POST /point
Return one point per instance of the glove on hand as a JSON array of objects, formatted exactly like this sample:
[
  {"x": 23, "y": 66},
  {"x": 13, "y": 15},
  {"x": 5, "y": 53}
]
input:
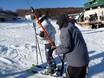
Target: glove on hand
[
  {"x": 42, "y": 34},
  {"x": 53, "y": 47}
]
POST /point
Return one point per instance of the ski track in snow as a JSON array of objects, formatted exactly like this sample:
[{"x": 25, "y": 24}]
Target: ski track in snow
[
  {"x": 18, "y": 50},
  {"x": 6, "y": 60}
]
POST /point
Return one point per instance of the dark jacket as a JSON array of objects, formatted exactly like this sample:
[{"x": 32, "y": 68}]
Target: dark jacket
[{"x": 73, "y": 46}]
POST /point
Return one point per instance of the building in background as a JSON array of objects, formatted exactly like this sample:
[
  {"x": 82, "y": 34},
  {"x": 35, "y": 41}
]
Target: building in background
[{"x": 93, "y": 13}]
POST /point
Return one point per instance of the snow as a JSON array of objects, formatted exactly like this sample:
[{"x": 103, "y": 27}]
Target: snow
[{"x": 18, "y": 50}]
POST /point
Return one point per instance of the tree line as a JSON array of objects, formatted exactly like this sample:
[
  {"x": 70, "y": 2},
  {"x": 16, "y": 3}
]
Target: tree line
[{"x": 51, "y": 12}]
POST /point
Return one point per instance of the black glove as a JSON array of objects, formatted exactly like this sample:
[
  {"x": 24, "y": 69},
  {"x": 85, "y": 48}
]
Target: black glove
[
  {"x": 42, "y": 34},
  {"x": 53, "y": 47}
]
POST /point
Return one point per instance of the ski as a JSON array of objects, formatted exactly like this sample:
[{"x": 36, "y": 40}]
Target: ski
[{"x": 35, "y": 69}]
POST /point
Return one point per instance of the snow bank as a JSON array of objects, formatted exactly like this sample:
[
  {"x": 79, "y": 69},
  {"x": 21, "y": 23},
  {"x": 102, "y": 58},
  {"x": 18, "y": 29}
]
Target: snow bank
[{"x": 18, "y": 50}]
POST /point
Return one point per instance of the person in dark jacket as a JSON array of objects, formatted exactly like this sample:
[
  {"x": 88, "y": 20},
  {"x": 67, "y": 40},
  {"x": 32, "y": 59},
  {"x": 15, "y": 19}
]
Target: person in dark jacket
[{"x": 74, "y": 48}]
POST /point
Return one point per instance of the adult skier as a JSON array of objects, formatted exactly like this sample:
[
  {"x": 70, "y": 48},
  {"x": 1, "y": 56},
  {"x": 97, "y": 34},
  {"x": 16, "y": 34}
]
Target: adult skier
[{"x": 73, "y": 47}]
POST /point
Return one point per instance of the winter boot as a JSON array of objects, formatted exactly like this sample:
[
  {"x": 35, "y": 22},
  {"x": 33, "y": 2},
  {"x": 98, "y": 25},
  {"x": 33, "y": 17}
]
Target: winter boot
[{"x": 48, "y": 71}]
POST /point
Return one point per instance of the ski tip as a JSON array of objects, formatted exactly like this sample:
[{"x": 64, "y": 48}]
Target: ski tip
[{"x": 32, "y": 71}]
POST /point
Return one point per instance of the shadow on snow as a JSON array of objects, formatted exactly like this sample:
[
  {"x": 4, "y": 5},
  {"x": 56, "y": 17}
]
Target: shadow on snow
[
  {"x": 26, "y": 73},
  {"x": 98, "y": 67}
]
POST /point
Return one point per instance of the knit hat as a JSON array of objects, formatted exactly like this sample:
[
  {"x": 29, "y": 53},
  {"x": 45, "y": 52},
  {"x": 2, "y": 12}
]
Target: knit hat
[{"x": 62, "y": 19}]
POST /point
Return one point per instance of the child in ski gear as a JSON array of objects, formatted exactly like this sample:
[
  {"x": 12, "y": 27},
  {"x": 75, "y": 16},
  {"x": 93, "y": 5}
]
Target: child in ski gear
[
  {"x": 73, "y": 47},
  {"x": 48, "y": 47}
]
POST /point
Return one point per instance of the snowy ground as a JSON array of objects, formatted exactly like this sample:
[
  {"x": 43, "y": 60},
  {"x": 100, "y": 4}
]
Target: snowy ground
[{"x": 17, "y": 50}]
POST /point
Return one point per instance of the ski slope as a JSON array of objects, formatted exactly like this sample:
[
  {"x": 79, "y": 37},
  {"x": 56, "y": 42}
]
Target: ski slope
[{"x": 18, "y": 50}]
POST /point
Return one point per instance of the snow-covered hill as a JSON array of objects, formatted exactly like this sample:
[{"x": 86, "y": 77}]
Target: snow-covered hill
[{"x": 17, "y": 50}]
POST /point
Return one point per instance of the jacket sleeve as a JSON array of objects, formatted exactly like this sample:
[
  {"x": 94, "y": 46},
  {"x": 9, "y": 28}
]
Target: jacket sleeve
[
  {"x": 44, "y": 24},
  {"x": 66, "y": 43},
  {"x": 62, "y": 50}
]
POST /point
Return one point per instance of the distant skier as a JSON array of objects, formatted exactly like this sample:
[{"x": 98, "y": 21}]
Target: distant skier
[
  {"x": 73, "y": 47},
  {"x": 48, "y": 48}
]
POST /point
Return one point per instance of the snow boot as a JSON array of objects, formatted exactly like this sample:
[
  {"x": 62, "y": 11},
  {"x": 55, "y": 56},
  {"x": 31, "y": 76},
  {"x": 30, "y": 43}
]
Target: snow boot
[{"x": 48, "y": 71}]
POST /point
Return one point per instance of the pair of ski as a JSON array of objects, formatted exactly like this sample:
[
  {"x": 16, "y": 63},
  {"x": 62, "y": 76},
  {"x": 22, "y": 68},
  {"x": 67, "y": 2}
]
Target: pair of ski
[{"x": 40, "y": 69}]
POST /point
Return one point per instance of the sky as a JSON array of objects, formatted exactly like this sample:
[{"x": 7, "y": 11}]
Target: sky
[{"x": 24, "y": 4}]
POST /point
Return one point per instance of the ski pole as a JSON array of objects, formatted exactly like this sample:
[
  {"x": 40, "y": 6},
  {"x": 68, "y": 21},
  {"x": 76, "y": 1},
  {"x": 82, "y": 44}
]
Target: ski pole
[{"x": 37, "y": 43}]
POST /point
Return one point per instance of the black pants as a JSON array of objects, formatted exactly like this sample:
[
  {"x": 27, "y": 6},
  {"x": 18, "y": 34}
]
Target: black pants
[
  {"x": 76, "y": 72},
  {"x": 49, "y": 57}
]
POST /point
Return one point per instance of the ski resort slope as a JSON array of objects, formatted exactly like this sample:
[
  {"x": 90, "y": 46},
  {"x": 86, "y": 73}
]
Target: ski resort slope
[{"x": 18, "y": 50}]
